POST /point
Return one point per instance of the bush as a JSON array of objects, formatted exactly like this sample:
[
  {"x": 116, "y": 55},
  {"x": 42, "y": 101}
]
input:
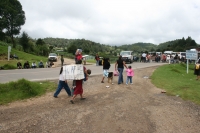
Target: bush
[{"x": 8, "y": 66}]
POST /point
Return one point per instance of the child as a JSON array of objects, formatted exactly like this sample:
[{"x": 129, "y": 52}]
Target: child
[
  {"x": 130, "y": 74},
  {"x": 106, "y": 66},
  {"x": 78, "y": 90},
  {"x": 62, "y": 84}
]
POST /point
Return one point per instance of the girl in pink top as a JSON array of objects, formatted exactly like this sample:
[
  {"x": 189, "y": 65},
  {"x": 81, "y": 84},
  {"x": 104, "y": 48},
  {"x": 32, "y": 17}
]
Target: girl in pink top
[{"x": 130, "y": 74}]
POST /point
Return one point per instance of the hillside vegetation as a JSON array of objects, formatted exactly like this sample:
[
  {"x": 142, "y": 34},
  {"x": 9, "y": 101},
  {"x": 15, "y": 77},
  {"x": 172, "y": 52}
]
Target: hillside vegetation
[
  {"x": 23, "y": 57},
  {"x": 92, "y": 48}
]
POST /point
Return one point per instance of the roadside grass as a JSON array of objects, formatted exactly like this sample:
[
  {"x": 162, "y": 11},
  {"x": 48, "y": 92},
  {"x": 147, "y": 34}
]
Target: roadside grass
[
  {"x": 91, "y": 60},
  {"x": 24, "y": 89},
  {"x": 175, "y": 80},
  {"x": 23, "y": 57}
]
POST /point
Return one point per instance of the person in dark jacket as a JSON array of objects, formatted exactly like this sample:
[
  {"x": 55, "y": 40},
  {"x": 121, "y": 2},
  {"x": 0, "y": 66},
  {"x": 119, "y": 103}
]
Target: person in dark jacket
[
  {"x": 19, "y": 65},
  {"x": 197, "y": 69},
  {"x": 120, "y": 67},
  {"x": 106, "y": 66},
  {"x": 26, "y": 65}
]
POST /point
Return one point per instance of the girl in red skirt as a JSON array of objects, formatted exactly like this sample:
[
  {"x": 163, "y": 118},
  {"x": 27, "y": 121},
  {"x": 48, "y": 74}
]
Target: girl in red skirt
[{"x": 79, "y": 85}]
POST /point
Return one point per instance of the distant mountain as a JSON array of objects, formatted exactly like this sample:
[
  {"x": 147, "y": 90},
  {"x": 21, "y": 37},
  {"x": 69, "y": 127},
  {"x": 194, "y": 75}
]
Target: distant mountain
[{"x": 90, "y": 46}]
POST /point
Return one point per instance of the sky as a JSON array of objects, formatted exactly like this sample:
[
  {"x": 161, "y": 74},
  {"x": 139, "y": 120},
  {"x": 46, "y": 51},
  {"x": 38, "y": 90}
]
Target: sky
[{"x": 113, "y": 22}]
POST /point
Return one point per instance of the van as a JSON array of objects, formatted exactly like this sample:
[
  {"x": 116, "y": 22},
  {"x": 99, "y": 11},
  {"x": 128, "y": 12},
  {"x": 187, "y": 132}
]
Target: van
[
  {"x": 168, "y": 52},
  {"x": 182, "y": 54}
]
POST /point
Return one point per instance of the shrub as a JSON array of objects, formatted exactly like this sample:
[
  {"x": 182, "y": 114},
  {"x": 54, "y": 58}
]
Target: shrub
[{"x": 8, "y": 66}]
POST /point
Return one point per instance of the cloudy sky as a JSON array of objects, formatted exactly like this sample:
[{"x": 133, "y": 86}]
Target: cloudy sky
[{"x": 113, "y": 22}]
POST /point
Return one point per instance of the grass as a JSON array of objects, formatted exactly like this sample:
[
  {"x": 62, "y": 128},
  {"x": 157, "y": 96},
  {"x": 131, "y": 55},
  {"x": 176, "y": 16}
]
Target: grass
[
  {"x": 175, "y": 80},
  {"x": 23, "y": 89}
]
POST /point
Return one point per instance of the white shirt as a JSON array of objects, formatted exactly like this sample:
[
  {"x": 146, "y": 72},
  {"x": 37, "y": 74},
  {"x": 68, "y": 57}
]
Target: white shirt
[
  {"x": 33, "y": 64},
  {"x": 61, "y": 77},
  {"x": 143, "y": 55}
]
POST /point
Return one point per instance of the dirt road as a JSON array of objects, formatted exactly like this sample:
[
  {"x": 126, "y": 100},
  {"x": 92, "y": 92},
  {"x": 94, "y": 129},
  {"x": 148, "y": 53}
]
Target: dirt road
[{"x": 137, "y": 108}]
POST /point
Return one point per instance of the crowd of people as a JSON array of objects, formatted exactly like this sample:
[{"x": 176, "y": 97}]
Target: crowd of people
[
  {"x": 165, "y": 58},
  {"x": 33, "y": 65},
  {"x": 14, "y": 56}
]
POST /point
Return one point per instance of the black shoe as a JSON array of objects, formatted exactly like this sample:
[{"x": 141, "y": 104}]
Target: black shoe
[
  {"x": 55, "y": 96},
  {"x": 102, "y": 82},
  {"x": 82, "y": 98},
  {"x": 72, "y": 102}
]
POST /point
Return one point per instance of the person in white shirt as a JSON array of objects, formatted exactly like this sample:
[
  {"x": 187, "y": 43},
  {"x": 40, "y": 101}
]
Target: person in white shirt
[
  {"x": 33, "y": 65},
  {"x": 144, "y": 57},
  {"x": 62, "y": 84},
  {"x": 47, "y": 64}
]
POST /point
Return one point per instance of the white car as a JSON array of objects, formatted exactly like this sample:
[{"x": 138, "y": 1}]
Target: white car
[
  {"x": 127, "y": 56},
  {"x": 53, "y": 57}
]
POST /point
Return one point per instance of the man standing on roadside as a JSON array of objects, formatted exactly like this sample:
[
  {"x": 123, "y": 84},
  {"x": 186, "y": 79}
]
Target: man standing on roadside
[
  {"x": 144, "y": 57},
  {"x": 62, "y": 60},
  {"x": 97, "y": 59}
]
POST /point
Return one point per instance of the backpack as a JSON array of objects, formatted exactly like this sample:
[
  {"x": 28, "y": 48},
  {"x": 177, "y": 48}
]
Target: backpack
[{"x": 197, "y": 66}]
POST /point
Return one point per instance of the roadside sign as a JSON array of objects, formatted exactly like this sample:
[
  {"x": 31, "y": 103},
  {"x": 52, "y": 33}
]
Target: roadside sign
[
  {"x": 191, "y": 55},
  {"x": 9, "y": 48}
]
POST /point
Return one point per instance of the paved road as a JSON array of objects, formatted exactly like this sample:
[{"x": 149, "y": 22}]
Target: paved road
[{"x": 53, "y": 73}]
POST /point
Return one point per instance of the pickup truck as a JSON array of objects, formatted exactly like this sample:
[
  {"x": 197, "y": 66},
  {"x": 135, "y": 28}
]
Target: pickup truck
[
  {"x": 53, "y": 57},
  {"x": 127, "y": 56}
]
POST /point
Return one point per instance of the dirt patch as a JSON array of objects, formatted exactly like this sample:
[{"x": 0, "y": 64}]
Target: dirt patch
[{"x": 137, "y": 108}]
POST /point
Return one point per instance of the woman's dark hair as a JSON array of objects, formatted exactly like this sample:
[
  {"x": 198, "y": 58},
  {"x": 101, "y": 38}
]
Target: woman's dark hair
[
  {"x": 61, "y": 70},
  {"x": 120, "y": 57},
  {"x": 79, "y": 62},
  {"x": 105, "y": 59}
]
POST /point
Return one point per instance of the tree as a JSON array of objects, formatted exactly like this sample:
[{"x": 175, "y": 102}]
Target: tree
[
  {"x": 50, "y": 48},
  {"x": 2, "y": 34},
  {"x": 24, "y": 41},
  {"x": 72, "y": 49},
  {"x": 43, "y": 49},
  {"x": 12, "y": 17},
  {"x": 86, "y": 51},
  {"x": 40, "y": 42}
]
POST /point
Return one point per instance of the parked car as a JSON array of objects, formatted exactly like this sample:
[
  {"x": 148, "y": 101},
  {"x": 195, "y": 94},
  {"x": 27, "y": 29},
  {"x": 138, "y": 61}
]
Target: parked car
[
  {"x": 53, "y": 57},
  {"x": 127, "y": 56}
]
